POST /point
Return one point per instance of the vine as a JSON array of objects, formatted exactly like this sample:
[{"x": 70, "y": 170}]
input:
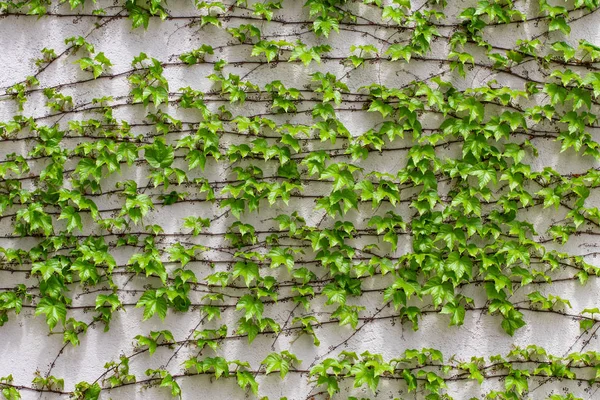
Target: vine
[{"x": 331, "y": 168}]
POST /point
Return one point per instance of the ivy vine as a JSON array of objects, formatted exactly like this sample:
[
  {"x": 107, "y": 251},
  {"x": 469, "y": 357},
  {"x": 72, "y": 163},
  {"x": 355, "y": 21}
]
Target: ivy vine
[{"x": 395, "y": 175}]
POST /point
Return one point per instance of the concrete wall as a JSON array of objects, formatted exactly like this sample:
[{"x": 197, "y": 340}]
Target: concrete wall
[{"x": 26, "y": 346}]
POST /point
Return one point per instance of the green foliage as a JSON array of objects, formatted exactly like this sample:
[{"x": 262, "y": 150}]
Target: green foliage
[{"x": 334, "y": 200}]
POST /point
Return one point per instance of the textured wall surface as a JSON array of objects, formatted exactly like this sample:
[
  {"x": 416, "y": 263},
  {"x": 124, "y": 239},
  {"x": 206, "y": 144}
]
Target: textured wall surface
[{"x": 27, "y": 348}]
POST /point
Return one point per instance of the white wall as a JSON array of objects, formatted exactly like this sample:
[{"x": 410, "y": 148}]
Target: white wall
[{"x": 27, "y": 347}]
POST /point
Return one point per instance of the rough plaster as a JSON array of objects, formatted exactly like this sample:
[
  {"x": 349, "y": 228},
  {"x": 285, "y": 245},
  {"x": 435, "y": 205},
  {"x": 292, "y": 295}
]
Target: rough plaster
[{"x": 25, "y": 346}]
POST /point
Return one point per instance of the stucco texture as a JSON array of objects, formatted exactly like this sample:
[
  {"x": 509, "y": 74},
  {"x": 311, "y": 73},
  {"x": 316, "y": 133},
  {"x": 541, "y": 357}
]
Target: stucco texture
[{"x": 27, "y": 347}]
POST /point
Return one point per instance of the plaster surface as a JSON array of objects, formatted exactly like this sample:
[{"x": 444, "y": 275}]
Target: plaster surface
[{"x": 26, "y": 346}]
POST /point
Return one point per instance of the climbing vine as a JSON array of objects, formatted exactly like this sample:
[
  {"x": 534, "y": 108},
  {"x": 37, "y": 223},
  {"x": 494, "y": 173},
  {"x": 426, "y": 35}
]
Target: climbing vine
[{"x": 294, "y": 172}]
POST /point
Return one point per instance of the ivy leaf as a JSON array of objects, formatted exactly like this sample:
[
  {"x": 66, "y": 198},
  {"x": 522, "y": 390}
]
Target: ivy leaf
[
  {"x": 251, "y": 305},
  {"x": 209, "y": 19},
  {"x": 280, "y": 256},
  {"x": 247, "y": 270},
  {"x": 347, "y": 315},
  {"x": 37, "y": 218},
  {"x": 410, "y": 379},
  {"x": 306, "y": 55},
  {"x": 11, "y": 393},
  {"x": 147, "y": 341},
  {"x": 484, "y": 176},
  {"x": 139, "y": 16},
  {"x": 246, "y": 379},
  {"x": 86, "y": 62},
  {"x": 456, "y": 311},
  {"x": 218, "y": 364},
  {"x": 153, "y": 303},
  {"x": 440, "y": 292},
  {"x": 169, "y": 382},
  {"x": 158, "y": 95},
  {"x": 324, "y": 25},
  {"x": 331, "y": 382},
  {"x": 278, "y": 362},
  {"x": 398, "y": 51},
  {"x": 557, "y": 93},
  {"x": 559, "y": 24},
  {"x": 87, "y": 271},
  {"x": 567, "y": 51},
  {"x": 111, "y": 299},
  {"x": 48, "y": 268},
  {"x": 512, "y": 322},
  {"x": 73, "y": 218},
  {"x": 551, "y": 198},
  {"x": 517, "y": 380},
  {"x": 248, "y": 327},
  {"x": 159, "y": 155},
  {"x": 460, "y": 265},
  {"x": 364, "y": 373},
  {"x": 10, "y": 300},
  {"x": 514, "y": 151},
  {"x": 269, "y": 48},
  {"x": 55, "y": 311},
  {"x": 196, "y": 224},
  {"x": 36, "y": 7},
  {"x": 179, "y": 253},
  {"x": 474, "y": 107}
]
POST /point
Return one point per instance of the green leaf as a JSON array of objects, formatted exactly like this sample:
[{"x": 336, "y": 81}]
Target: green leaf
[
  {"x": 247, "y": 270},
  {"x": 158, "y": 95},
  {"x": 324, "y": 25},
  {"x": 179, "y": 253},
  {"x": 474, "y": 107},
  {"x": 55, "y": 311},
  {"x": 49, "y": 268},
  {"x": 411, "y": 380},
  {"x": 398, "y": 51},
  {"x": 440, "y": 292},
  {"x": 456, "y": 311},
  {"x": 139, "y": 16},
  {"x": 559, "y": 24},
  {"x": 159, "y": 155},
  {"x": 331, "y": 382},
  {"x": 517, "y": 380},
  {"x": 169, "y": 382},
  {"x": 153, "y": 303},
  {"x": 246, "y": 379},
  {"x": 586, "y": 324},
  {"x": 557, "y": 93},
  {"x": 196, "y": 224},
  {"x": 279, "y": 362},
  {"x": 512, "y": 322},
  {"x": 11, "y": 393},
  {"x": 248, "y": 327},
  {"x": 73, "y": 218},
  {"x": 280, "y": 256},
  {"x": 251, "y": 305},
  {"x": 87, "y": 271},
  {"x": 567, "y": 51},
  {"x": 347, "y": 315},
  {"x": 111, "y": 299}
]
